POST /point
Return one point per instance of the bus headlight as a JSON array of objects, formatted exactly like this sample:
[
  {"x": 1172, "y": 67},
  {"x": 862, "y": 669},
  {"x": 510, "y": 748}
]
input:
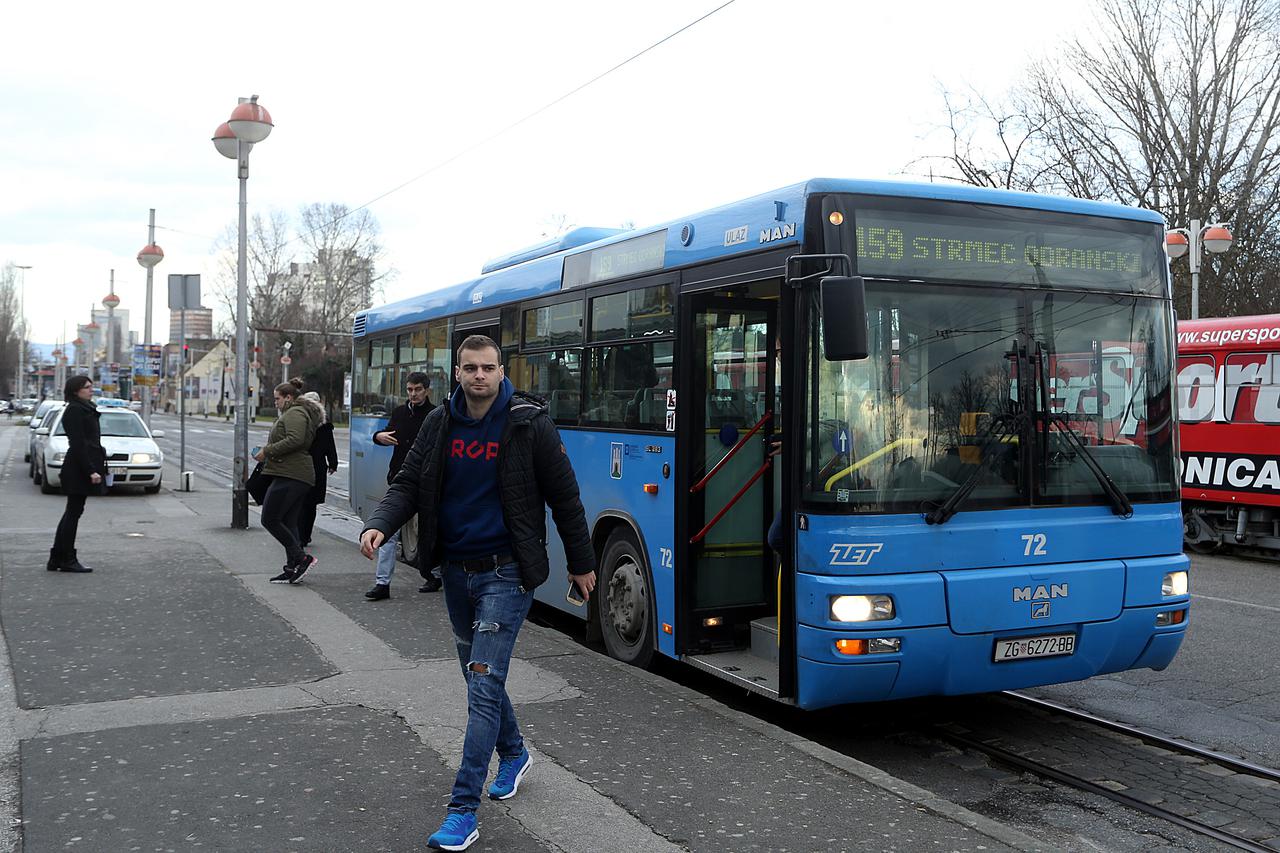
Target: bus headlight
[
  {"x": 58, "y": 457},
  {"x": 145, "y": 458},
  {"x": 861, "y": 608},
  {"x": 1174, "y": 583}
]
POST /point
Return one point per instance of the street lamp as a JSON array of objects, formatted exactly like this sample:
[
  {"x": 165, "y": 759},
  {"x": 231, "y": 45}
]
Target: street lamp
[
  {"x": 249, "y": 123},
  {"x": 148, "y": 257},
  {"x": 22, "y": 330},
  {"x": 1215, "y": 238},
  {"x": 110, "y": 301}
]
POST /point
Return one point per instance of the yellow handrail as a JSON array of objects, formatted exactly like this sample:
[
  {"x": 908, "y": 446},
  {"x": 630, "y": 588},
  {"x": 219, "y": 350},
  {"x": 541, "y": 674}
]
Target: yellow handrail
[{"x": 869, "y": 458}]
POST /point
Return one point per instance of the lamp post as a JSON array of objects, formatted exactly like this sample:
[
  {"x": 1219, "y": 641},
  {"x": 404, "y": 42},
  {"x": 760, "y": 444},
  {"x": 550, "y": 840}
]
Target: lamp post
[
  {"x": 1215, "y": 238},
  {"x": 249, "y": 123},
  {"x": 110, "y": 301},
  {"x": 92, "y": 329},
  {"x": 148, "y": 257},
  {"x": 22, "y": 331}
]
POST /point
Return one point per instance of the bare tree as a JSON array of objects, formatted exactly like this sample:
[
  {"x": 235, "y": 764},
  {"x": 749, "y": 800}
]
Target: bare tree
[
  {"x": 343, "y": 273},
  {"x": 268, "y": 257},
  {"x": 1176, "y": 108},
  {"x": 9, "y": 338}
]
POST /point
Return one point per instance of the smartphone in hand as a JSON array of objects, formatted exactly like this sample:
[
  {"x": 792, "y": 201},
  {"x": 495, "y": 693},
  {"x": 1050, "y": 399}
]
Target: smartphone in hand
[{"x": 573, "y": 596}]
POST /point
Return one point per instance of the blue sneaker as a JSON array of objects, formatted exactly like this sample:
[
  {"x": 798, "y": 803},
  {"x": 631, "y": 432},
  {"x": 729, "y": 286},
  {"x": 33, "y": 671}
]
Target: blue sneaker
[
  {"x": 458, "y": 832},
  {"x": 510, "y": 772}
]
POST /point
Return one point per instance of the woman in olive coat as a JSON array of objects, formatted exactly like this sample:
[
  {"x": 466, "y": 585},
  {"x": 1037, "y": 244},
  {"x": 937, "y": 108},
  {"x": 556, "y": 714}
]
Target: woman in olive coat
[
  {"x": 287, "y": 460},
  {"x": 84, "y": 470}
]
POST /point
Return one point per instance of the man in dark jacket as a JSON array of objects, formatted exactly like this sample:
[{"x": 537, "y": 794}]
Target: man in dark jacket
[
  {"x": 480, "y": 476},
  {"x": 401, "y": 430}
]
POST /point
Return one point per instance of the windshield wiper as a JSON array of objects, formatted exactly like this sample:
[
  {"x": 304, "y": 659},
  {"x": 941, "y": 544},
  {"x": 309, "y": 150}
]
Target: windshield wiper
[
  {"x": 1002, "y": 426},
  {"x": 1120, "y": 504}
]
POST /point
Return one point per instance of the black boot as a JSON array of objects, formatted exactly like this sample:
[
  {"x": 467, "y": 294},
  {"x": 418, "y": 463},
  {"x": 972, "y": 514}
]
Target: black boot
[
  {"x": 73, "y": 564},
  {"x": 55, "y": 560}
]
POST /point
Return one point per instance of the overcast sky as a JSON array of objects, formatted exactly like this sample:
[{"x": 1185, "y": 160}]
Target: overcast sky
[{"x": 106, "y": 110}]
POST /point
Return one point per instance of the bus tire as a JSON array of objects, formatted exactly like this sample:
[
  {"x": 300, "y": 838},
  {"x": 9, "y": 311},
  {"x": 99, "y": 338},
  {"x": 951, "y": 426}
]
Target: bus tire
[
  {"x": 409, "y": 541},
  {"x": 625, "y": 601}
]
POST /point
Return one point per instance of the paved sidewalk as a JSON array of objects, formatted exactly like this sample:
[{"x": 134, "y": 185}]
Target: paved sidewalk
[{"x": 175, "y": 700}]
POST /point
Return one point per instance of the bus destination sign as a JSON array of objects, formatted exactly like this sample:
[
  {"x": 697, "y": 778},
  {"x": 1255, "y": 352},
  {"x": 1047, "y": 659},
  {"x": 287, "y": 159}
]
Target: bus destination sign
[
  {"x": 617, "y": 260},
  {"x": 1007, "y": 250}
]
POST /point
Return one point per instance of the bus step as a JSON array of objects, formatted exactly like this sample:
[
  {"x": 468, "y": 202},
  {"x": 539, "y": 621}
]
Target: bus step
[
  {"x": 742, "y": 668},
  {"x": 764, "y": 638}
]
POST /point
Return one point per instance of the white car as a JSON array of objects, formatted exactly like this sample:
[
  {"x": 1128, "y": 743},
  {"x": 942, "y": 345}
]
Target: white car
[
  {"x": 34, "y": 423},
  {"x": 133, "y": 458},
  {"x": 40, "y": 437}
]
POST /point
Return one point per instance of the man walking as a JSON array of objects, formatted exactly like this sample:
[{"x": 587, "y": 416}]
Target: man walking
[
  {"x": 480, "y": 475},
  {"x": 402, "y": 429}
]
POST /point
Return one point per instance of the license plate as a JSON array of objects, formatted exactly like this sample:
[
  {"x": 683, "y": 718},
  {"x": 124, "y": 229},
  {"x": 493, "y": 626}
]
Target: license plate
[
  {"x": 1035, "y": 647},
  {"x": 119, "y": 472}
]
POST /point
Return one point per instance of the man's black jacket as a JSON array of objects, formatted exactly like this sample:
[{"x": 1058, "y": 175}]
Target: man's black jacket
[
  {"x": 533, "y": 473},
  {"x": 405, "y": 421}
]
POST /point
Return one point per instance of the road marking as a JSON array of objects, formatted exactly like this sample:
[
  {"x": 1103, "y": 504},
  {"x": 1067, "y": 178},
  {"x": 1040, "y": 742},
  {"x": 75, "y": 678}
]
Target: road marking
[{"x": 1241, "y": 603}]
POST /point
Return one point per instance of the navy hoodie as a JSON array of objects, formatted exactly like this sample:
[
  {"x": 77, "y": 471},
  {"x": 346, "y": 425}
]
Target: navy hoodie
[{"x": 470, "y": 518}]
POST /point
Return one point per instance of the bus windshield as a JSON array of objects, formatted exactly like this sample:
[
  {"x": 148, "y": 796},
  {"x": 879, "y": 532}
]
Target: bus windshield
[{"x": 978, "y": 388}]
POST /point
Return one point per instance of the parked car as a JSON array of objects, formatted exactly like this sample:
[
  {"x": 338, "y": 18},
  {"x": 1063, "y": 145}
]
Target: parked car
[
  {"x": 133, "y": 458},
  {"x": 41, "y": 410},
  {"x": 39, "y": 437}
]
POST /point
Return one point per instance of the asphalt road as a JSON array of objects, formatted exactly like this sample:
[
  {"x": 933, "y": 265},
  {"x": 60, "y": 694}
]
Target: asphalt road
[{"x": 1221, "y": 689}]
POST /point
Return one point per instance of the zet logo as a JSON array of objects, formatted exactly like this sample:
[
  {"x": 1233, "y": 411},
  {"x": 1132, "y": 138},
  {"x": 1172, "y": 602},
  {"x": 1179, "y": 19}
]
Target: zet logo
[{"x": 854, "y": 553}]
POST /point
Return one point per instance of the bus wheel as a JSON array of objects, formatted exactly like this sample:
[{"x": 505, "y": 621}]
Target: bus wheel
[
  {"x": 409, "y": 541},
  {"x": 626, "y": 602}
]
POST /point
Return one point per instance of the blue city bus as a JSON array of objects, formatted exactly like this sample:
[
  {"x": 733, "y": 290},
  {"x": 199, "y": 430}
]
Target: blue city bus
[{"x": 971, "y": 392}]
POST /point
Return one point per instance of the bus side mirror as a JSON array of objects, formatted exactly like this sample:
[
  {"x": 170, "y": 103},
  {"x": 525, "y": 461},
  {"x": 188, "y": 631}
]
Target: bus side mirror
[{"x": 844, "y": 318}]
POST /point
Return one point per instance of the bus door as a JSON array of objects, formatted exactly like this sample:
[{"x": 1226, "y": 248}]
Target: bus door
[{"x": 728, "y": 419}]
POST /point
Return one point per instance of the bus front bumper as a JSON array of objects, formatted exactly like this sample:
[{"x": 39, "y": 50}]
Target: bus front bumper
[{"x": 935, "y": 660}]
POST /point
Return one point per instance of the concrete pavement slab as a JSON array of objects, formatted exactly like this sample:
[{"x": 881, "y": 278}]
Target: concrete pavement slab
[
  {"x": 157, "y": 617},
  {"x": 331, "y": 779},
  {"x": 413, "y": 623}
]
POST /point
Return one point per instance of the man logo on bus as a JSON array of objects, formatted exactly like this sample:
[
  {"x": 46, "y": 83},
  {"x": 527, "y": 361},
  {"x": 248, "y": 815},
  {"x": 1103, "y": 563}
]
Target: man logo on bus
[
  {"x": 854, "y": 553},
  {"x": 1042, "y": 592}
]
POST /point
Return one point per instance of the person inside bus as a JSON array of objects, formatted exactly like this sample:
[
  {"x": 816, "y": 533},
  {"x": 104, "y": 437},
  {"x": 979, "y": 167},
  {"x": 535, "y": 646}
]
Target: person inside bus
[
  {"x": 402, "y": 429},
  {"x": 481, "y": 475}
]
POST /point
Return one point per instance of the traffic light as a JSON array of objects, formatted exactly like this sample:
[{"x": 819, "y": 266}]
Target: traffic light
[{"x": 250, "y": 390}]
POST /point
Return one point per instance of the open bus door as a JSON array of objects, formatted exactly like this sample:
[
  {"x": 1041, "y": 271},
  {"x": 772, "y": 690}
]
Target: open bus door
[{"x": 727, "y": 583}]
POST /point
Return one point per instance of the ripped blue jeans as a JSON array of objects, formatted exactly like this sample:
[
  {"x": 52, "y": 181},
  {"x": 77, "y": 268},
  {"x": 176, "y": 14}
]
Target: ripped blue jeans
[{"x": 486, "y": 610}]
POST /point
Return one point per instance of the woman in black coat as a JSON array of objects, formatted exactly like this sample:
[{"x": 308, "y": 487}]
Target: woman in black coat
[
  {"x": 84, "y": 470},
  {"x": 324, "y": 455}
]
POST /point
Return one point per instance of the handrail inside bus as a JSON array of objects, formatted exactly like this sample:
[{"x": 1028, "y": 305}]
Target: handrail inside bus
[
  {"x": 869, "y": 458},
  {"x": 733, "y": 500},
  {"x": 697, "y": 487}
]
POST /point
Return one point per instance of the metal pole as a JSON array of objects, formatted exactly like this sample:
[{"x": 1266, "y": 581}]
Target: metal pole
[
  {"x": 239, "y": 495},
  {"x": 111, "y": 327},
  {"x": 146, "y": 328},
  {"x": 182, "y": 391},
  {"x": 1194, "y": 261}
]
